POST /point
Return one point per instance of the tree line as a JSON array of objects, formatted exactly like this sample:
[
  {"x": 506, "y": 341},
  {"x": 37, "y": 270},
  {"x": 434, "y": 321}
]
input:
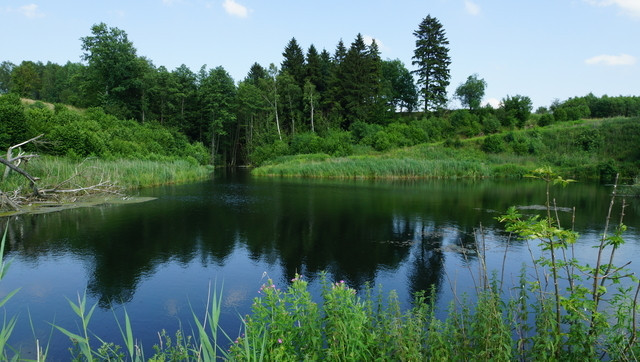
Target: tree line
[{"x": 313, "y": 101}]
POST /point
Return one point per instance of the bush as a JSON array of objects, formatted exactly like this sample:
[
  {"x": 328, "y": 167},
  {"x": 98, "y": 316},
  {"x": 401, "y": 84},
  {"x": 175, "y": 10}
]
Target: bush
[
  {"x": 13, "y": 122},
  {"x": 269, "y": 151},
  {"x": 545, "y": 120},
  {"x": 337, "y": 143},
  {"x": 490, "y": 124},
  {"x": 307, "y": 142},
  {"x": 589, "y": 139},
  {"x": 493, "y": 144}
]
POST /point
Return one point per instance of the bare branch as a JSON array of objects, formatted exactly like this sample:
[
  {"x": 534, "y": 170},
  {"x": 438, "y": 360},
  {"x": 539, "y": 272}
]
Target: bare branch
[{"x": 25, "y": 142}]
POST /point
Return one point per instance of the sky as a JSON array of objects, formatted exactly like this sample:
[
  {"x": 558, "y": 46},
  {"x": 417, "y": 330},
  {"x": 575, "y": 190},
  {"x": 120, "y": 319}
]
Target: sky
[{"x": 543, "y": 49}]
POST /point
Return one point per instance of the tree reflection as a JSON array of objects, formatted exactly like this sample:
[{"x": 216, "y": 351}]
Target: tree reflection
[{"x": 426, "y": 272}]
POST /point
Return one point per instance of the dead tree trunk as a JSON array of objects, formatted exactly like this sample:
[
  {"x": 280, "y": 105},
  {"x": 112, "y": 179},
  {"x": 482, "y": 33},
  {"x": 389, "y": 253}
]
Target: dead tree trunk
[
  {"x": 36, "y": 191},
  {"x": 18, "y": 159}
]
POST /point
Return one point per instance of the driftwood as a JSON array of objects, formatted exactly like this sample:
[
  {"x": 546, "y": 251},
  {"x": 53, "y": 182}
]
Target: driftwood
[
  {"x": 16, "y": 161},
  {"x": 39, "y": 194},
  {"x": 36, "y": 191}
]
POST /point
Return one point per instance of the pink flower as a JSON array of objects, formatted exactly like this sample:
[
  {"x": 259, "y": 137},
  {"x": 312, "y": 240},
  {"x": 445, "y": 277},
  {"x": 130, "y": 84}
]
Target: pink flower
[{"x": 280, "y": 340}]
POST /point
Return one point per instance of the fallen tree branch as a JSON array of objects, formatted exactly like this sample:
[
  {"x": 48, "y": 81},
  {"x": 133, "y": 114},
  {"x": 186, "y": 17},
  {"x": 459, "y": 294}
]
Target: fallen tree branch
[
  {"x": 4, "y": 199},
  {"x": 36, "y": 191},
  {"x": 20, "y": 156}
]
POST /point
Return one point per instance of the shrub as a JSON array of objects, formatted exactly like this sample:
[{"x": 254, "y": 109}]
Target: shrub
[
  {"x": 306, "y": 142},
  {"x": 269, "y": 151},
  {"x": 13, "y": 127},
  {"x": 493, "y": 144},
  {"x": 545, "y": 120},
  {"x": 490, "y": 124},
  {"x": 589, "y": 139},
  {"x": 337, "y": 143}
]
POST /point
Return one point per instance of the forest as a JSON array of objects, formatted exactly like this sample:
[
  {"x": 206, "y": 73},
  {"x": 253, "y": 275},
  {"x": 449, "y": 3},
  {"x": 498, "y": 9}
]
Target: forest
[{"x": 341, "y": 103}]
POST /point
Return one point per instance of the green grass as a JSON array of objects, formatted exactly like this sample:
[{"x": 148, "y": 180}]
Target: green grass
[
  {"x": 125, "y": 174},
  {"x": 586, "y": 149}
]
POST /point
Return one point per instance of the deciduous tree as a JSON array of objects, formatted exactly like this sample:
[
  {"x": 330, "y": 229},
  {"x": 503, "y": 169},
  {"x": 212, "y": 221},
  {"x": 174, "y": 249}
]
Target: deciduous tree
[
  {"x": 399, "y": 86},
  {"x": 114, "y": 71},
  {"x": 470, "y": 93},
  {"x": 517, "y": 108}
]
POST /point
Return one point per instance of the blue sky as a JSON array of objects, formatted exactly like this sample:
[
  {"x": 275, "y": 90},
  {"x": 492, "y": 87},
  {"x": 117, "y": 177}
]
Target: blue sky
[{"x": 544, "y": 49}]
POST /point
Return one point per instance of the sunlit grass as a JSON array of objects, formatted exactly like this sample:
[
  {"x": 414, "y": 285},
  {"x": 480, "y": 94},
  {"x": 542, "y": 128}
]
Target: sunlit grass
[{"x": 125, "y": 174}]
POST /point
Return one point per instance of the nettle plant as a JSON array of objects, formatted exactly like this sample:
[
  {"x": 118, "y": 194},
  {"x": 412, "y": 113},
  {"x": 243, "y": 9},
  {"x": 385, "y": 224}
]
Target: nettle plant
[{"x": 590, "y": 310}]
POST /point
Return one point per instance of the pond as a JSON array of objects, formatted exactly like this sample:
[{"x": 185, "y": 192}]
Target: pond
[{"x": 158, "y": 259}]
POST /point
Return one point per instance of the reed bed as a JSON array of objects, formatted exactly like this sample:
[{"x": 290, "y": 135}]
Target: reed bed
[{"x": 123, "y": 173}]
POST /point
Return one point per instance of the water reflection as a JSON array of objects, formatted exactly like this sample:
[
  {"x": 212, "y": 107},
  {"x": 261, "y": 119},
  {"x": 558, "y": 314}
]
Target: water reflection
[{"x": 406, "y": 232}]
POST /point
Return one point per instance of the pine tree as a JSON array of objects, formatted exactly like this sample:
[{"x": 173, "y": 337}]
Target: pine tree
[
  {"x": 256, "y": 72},
  {"x": 314, "y": 68},
  {"x": 432, "y": 58},
  {"x": 293, "y": 62},
  {"x": 360, "y": 81}
]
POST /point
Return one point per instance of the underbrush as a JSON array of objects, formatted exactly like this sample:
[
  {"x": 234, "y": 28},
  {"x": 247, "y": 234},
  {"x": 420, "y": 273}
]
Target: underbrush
[{"x": 594, "y": 149}]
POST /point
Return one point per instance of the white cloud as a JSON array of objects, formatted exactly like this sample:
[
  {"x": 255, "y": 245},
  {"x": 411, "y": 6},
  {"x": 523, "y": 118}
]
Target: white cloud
[
  {"x": 471, "y": 7},
  {"x": 494, "y": 102},
  {"x": 30, "y": 11},
  {"x": 612, "y": 60},
  {"x": 235, "y": 9},
  {"x": 368, "y": 39},
  {"x": 628, "y": 7}
]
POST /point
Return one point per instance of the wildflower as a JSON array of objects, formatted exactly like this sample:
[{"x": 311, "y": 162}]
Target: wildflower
[{"x": 280, "y": 340}]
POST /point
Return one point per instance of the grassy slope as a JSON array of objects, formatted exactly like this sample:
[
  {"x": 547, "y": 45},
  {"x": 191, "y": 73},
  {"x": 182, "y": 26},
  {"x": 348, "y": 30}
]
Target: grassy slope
[
  {"x": 582, "y": 149},
  {"x": 67, "y": 173}
]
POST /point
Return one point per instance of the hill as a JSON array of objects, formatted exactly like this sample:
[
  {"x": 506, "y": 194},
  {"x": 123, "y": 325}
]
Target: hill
[{"x": 584, "y": 149}]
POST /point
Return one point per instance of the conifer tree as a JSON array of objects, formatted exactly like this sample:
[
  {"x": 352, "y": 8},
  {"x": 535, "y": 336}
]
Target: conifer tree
[
  {"x": 293, "y": 62},
  {"x": 360, "y": 81},
  {"x": 314, "y": 67},
  {"x": 256, "y": 72},
  {"x": 431, "y": 56}
]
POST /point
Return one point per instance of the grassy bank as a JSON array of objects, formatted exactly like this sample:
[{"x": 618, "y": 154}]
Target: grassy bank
[
  {"x": 588, "y": 149},
  {"x": 123, "y": 174}
]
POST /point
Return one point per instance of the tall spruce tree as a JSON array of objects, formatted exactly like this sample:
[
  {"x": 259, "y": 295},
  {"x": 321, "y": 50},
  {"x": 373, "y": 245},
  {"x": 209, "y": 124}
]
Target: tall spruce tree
[
  {"x": 256, "y": 72},
  {"x": 359, "y": 81},
  {"x": 431, "y": 56},
  {"x": 293, "y": 62},
  {"x": 314, "y": 68}
]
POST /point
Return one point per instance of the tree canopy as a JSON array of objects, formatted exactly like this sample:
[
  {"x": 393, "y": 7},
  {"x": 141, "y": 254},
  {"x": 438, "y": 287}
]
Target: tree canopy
[{"x": 470, "y": 93}]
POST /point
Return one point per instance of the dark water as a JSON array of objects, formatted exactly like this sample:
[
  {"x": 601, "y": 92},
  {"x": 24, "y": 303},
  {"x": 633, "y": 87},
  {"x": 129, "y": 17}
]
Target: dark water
[{"x": 157, "y": 259}]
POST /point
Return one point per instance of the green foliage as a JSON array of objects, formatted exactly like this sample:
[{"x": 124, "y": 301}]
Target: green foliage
[
  {"x": 431, "y": 57},
  {"x": 94, "y": 133},
  {"x": 493, "y": 144},
  {"x": 589, "y": 139},
  {"x": 398, "y": 86},
  {"x": 337, "y": 143},
  {"x": 114, "y": 71},
  {"x": 306, "y": 142},
  {"x": 13, "y": 127},
  {"x": 517, "y": 110},
  {"x": 470, "y": 93},
  {"x": 546, "y": 120},
  {"x": 271, "y": 151}
]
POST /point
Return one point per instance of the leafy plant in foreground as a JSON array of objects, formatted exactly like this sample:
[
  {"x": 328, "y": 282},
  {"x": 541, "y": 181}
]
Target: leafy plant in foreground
[{"x": 582, "y": 320}]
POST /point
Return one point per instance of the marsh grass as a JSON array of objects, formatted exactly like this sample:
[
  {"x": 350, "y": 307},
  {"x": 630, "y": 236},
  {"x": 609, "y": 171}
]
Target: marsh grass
[{"x": 125, "y": 174}]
